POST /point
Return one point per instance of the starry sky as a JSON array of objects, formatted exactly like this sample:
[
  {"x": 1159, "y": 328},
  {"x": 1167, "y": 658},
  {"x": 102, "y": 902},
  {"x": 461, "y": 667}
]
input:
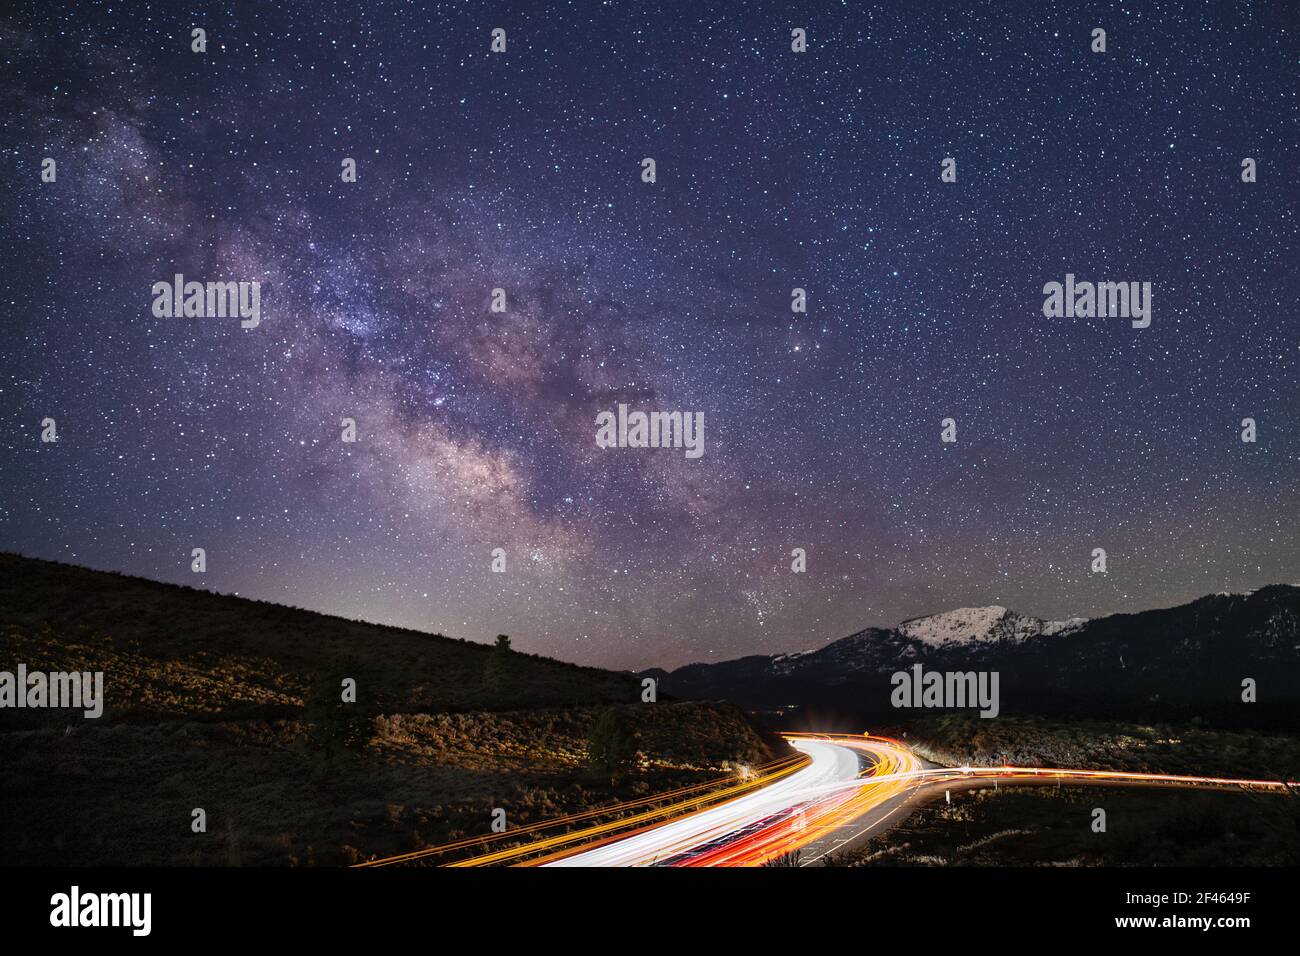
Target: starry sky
[{"x": 775, "y": 170}]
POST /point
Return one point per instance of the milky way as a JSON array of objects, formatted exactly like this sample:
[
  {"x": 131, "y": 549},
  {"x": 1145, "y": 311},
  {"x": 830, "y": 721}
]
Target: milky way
[{"x": 775, "y": 170}]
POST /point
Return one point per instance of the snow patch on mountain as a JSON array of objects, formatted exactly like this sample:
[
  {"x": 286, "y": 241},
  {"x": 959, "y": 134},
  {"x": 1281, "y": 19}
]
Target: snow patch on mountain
[{"x": 967, "y": 625}]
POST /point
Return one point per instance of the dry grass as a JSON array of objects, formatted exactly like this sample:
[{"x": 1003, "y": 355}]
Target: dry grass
[{"x": 205, "y": 710}]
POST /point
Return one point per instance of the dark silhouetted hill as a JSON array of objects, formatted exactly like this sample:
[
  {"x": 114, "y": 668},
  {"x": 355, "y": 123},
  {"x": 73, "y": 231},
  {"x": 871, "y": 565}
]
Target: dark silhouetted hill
[
  {"x": 1183, "y": 661},
  {"x": 168, "y": 650},
  {"x": 232, "y": 706}
]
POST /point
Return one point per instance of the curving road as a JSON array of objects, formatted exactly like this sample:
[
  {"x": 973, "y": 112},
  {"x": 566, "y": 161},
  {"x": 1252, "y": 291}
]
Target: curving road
[
  {"x": 852, "y": 786},
  {"x": 841, "y": 788},
  {"x": 785, "y": 806}
]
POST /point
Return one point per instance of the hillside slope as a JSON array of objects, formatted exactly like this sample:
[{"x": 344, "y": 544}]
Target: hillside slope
[
  {"x": 170, "y": 651},
  {"x": 207, "y": 709}
]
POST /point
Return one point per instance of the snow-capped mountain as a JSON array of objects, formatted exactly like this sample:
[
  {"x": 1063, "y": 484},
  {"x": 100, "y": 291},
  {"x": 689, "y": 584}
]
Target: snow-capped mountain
[
  {"x": 1196, "y": 653},
  {"x": 981, "y": 624}
]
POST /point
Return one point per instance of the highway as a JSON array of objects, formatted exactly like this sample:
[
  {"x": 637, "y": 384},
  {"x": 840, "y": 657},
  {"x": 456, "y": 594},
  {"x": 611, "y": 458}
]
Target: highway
[
  {"x": 853, "y": 786},
  {"x": 759, "y": 825},
  {"x": 838, "y": 789}
]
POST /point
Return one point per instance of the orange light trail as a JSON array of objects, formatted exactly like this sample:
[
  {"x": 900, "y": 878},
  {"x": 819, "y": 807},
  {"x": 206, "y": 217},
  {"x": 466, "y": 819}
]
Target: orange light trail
[
  {"x": 697, "y": 795},
  {"x": 787, "y": 806}
]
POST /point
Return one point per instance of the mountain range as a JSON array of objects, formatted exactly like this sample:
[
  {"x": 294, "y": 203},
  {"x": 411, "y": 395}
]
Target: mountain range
[{"x": 1187, "y": 660}]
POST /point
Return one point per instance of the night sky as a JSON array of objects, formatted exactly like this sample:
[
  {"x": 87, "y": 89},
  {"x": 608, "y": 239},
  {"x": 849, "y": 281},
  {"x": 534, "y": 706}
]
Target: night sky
[{"x": 775, "y": 170}]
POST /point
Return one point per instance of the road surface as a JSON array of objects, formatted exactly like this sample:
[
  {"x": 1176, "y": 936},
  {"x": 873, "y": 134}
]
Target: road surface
[
  {"x": 840, "y": 789},
  {"x": 767, "y": 823},
  {"x": 854, "y": 786}
]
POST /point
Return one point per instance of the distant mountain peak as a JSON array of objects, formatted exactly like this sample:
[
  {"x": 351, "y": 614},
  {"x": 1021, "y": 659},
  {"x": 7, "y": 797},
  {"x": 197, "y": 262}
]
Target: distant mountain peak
[
  {"x": 966, "y": 625},
  {"x": 1176, "y": 660}
]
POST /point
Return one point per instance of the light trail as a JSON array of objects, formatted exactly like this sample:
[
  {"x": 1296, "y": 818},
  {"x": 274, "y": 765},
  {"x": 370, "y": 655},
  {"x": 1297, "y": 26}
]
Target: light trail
[
  {"x": 890, "y": 772},
  {"x": 829, "y": 766},
  {"x": 699, "y": 795},
  {"x": 771, "y": 824},
  {"x": 839, "y": 782}
]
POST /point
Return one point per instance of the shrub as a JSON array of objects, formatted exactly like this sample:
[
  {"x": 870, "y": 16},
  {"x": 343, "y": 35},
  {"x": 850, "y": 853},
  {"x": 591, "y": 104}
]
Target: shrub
[{"x": 611, "y": 747}]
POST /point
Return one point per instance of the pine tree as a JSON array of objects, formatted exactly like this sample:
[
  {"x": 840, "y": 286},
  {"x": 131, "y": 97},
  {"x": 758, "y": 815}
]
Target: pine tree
[{"x": 497, "y": 669}]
